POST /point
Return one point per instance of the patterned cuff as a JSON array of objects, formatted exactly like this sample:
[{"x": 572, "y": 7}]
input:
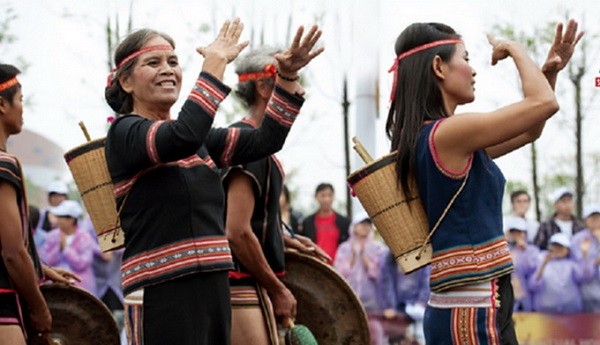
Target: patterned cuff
[
  {"x": 284, "y": 107},
  {"x": 208, "y": 93}
]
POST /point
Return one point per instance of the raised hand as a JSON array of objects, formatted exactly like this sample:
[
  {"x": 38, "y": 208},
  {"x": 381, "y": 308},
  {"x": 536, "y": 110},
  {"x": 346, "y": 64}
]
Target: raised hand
[
  {"x": 300, "y": 52},
  {"x": 562, "y": 47},
  {"x": 226, "y": 43},
  {"x": 585, "y": 246},
  {"x": 500, "y": 48}
]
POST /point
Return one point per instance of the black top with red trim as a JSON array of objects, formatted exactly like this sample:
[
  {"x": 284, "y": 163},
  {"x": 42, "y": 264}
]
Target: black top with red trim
[
  {"x": 166, "y": 174},
  {"x": 10, "y": 171},
  {"x": 267, "y": 183}
]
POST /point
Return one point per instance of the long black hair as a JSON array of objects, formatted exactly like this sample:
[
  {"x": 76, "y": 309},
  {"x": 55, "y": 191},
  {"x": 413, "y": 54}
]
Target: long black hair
[{"x": 417, "y": 97}]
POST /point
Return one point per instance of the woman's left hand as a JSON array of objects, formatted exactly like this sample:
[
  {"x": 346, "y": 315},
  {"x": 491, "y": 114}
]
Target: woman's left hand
[
  {"x": 59, "y": 275},
  {"x": 562, "y": 47}
]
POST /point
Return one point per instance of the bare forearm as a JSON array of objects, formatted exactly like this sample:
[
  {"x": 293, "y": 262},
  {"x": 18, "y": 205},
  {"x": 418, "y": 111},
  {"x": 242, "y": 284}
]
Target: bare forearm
[
  {"x": 22, "y": 274},
  {"x": 215, "y": 65},
  {"x": 533, "y": 82},
  {"x": 248, "y": 251},
  {"x": 551, "y": 78}
]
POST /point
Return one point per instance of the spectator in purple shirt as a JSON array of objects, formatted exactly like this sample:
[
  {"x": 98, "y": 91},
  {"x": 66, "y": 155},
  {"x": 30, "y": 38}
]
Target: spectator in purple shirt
[
  {"x": 556, "y": 282},
  {"x": 590, "y": 290},
  {"x": 524, "y": 257},
  {"x": 358, "y": 260},
  {"x": 70, "y": 247},
  {"x": 401, "y": 293}
]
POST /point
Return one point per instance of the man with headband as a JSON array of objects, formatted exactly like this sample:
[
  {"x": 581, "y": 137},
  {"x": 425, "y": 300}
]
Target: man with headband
[{"x": 21, "y": 302}]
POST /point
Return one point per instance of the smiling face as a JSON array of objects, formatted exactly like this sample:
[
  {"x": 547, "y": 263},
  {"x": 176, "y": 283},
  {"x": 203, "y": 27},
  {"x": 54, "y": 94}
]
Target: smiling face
[
  {"x": 155, "y": 81},
  {"x": 458, "y": 80}
]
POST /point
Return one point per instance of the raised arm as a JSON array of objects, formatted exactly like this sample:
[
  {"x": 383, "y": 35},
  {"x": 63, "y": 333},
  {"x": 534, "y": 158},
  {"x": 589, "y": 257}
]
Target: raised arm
[
  {"x": 460, "y": 135},
  {"x": 144, "y": 143},
  {"x": 559, "y": 55},
  {"x": 236, "y": 146}
]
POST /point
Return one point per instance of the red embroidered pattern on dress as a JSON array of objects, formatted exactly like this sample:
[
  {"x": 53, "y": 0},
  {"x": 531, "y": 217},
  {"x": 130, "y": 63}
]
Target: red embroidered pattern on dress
[
  {"x": 151, "y": 142},
  {"x": 206, "y": 95},
  {"x": 233, "y": 134},
  {"x": 179, "y": 256},
  {"x": 458, "y": 266},
  {"x": 281, "y": 111},
  {"x": 438, "y": 162}
]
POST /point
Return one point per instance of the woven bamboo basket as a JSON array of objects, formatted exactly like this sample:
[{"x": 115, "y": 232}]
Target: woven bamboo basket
[
  {"x": 87, "y": 163},
  {"x": 399, "y": 218}
]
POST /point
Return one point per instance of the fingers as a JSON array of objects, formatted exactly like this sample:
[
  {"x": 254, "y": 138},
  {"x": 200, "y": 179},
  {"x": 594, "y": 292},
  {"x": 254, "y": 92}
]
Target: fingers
[
  {"x": 579, "y": 36},
  {"x": 310, "y": 35},
  {"x": 297, "y": 37},
  {"x": 569, "y": 36},
  {"x": 492, "y": 40},
  {"x": 242, "y": 46},
  {"x": 224, "y": 29},
  {"x": 313, "y": 54},
  {"x": 234, "y": 31},
  {"x": 558, "y": 35}
]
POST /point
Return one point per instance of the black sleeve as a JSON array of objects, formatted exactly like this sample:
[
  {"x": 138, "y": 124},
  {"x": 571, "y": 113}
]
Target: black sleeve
[
  {"x": 141, "y": 143},
  {"x": 231, "y": 146},
  {"x": 257, "y": 172},
  {"x": 10, "y": 171},
  {"x": 308, "y": 228}
]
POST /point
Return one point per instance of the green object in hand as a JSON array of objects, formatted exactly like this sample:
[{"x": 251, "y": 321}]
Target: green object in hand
[{"x": 300, "y": 335}]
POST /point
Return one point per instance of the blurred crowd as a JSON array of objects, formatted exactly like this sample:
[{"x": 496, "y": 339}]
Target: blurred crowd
[{"x": 556, "y": 261}]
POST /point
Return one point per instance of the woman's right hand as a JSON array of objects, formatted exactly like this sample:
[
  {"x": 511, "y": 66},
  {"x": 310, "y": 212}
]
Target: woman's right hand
[
  {"x": 501, "y": 49},
  {"x": 226, "y": 43}
]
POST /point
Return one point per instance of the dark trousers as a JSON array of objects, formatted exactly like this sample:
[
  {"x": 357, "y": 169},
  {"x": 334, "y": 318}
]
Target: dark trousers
[
  {"x": 191, "y": 310},
  {"x": 506, "y": 324}
]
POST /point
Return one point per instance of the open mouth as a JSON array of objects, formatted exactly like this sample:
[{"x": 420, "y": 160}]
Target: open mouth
[{"x": 167, "y": 83}]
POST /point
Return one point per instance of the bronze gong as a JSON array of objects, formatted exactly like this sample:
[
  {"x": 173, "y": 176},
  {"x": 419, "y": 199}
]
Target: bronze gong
[
  {"x": 78, "y": 318},
  {"x": 327, "y": 305}
]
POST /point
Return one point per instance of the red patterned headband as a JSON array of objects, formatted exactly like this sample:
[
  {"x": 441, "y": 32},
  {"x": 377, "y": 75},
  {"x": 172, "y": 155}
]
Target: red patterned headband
[
  {"x": 415, "y": 50},
  {"x": 132, "y": 56},
  {"x": 9, "y": 83},
  {"x": 268, "y": 72}
]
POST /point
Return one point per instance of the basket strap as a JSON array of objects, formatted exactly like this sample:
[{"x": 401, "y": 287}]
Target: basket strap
[
  {"x": 439, "y": 221},
  {"x": 117, "y": 227}
]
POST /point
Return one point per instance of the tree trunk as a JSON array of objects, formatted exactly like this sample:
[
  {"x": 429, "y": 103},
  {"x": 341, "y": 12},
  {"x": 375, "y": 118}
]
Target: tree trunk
[
  {"x": 536, "y": 184},
  {"x": 580, "y": 190}
]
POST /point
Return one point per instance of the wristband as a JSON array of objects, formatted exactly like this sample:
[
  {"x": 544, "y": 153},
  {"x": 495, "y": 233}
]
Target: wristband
[{"x": 294, "y": 78}]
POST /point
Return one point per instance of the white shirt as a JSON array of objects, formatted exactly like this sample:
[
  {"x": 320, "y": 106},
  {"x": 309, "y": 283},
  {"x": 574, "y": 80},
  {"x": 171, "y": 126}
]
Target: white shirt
[{"x": 566, "y": 226}]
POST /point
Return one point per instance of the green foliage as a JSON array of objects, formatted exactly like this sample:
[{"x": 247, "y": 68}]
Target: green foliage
[
  {"x": 7, "y": 38},
  {"x": 514, "y": 185}
]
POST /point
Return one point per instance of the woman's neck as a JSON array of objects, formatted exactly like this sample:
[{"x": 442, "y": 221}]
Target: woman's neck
[{"x": 152, "y": 113}]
